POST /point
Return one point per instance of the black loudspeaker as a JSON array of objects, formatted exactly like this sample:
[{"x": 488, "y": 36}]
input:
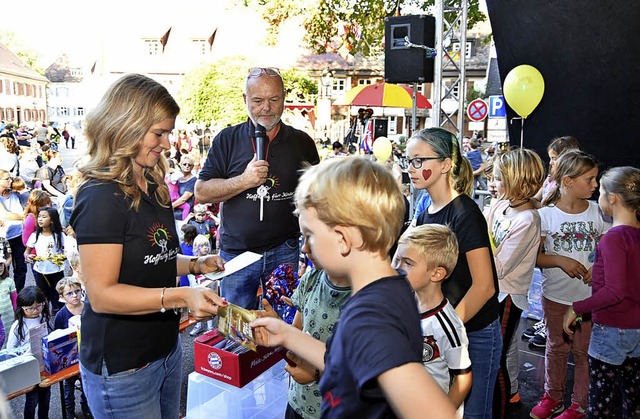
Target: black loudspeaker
[
  {"x": 403, "y": 64},
  {"x": 380, "y": 128}
]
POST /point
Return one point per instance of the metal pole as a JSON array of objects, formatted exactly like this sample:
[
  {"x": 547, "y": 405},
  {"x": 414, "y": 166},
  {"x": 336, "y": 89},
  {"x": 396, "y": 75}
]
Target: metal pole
[
  {"x": 462, "y": 89},
  {"x": 437, "y": 71},
  {"x": 414, "y": 119}
]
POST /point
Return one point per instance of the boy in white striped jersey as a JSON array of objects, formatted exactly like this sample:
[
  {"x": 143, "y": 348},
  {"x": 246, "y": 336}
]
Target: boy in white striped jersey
[{"x": 428, "y": 253}]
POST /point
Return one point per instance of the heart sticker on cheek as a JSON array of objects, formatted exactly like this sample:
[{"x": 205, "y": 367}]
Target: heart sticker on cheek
[{"x": 426, "y": 174}]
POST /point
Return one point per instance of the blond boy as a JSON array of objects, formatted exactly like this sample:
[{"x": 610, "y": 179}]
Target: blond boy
[
  {"x": 428, "y": 254},
  {"x": 350, "y": 213}
]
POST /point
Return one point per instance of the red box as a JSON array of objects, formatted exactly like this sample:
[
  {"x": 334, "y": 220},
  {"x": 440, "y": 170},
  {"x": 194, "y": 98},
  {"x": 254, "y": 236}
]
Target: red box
[{"x": 234, "y": 369}]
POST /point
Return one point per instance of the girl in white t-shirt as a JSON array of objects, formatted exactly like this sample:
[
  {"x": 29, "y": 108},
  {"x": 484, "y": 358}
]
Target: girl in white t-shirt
[
  {"x": 571, "y": 227},
  {"x": 514, "y": 229},
  {"x": 49, "y": 242}
]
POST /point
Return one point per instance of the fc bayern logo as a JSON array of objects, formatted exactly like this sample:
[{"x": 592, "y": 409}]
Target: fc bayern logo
[{"x": 214, "y": 360}]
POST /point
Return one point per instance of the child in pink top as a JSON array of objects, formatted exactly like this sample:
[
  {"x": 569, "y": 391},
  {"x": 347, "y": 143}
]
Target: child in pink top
[{"x": 614, "y": 350}]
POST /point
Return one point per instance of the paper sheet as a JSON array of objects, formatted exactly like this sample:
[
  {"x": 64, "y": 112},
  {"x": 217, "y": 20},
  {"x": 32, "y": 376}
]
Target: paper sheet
[{"x": 235, "y": 264}]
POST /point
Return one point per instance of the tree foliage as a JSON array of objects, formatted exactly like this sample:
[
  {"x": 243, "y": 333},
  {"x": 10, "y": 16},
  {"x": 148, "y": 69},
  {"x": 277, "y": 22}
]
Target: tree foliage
[
  {"x": 25, "y": 53},
  {"x": 213, "y": 92},
  {"x": 357, "y": 25}
]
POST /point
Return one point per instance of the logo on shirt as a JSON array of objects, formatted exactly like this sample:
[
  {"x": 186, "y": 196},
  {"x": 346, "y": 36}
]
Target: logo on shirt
[
  {"x": 578, "y": 236},
  {"x": 267, "y": 191},
  {"x": 332, "y": 401},
  {"x": 430, "y": 350},
  {"x": 159, "y": 236}
]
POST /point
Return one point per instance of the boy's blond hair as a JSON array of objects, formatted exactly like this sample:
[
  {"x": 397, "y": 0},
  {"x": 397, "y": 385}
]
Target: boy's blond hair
[
  {"x": 436, "y": 243},
  {"x": 355, "y": 192},
  {"x": 67, "y": 281}
]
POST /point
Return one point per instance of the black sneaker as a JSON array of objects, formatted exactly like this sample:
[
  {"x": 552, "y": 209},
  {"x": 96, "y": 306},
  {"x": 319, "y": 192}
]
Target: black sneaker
[
  {"x": 530, "y": 332},
  {"x": 539, "y": 339}
]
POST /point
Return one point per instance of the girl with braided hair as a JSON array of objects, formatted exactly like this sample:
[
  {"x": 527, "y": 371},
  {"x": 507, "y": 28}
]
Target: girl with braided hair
[{"x": 436, "y": 164}]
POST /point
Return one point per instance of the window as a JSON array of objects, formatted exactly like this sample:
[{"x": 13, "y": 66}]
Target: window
[
  {"x": 200, "y": 46},
  {"x": 76, "y": 72},
  {"x": 455, "y": 47},
  {"x": 362, "y": 82},
  {"x": 338, "y": 87},
  {"x": 392, "y": 124},
  {"x": 63, "y": 111},
  {"x": 153, "y": 46},
  {"x": 80, "y": 111}
]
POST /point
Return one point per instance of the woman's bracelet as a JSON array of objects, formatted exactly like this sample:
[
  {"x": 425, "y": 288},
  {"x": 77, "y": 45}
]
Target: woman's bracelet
[{"x": 162, "y": 309}]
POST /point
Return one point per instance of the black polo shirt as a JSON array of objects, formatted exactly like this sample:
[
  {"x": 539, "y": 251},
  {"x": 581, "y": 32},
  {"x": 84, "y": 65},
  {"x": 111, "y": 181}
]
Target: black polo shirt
[
  {"x": 230, "y": 153},
  {"x": 102, "y": 215}
]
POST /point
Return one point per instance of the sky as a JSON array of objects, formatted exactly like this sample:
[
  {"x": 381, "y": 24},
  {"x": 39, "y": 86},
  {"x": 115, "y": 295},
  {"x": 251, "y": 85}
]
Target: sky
[{"x": 56, "y": 26}]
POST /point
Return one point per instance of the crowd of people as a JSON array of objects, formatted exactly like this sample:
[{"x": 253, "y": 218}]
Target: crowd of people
[{"x": 396, "y": 313}]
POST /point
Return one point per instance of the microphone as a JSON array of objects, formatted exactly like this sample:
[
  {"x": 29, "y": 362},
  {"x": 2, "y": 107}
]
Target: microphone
[{"x": 261, "y": 142}]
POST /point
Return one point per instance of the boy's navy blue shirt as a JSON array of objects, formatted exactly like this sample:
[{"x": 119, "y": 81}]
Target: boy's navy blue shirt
[{"x": 378, "y": 329}]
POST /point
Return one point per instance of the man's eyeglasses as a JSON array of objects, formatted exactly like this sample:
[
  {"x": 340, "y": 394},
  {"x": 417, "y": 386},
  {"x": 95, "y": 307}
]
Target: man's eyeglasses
[
  {"x": 33, "y": 309},
  {"x": 269, "y": 71},
  {"x": 416, "y": 162},
  {"x": 72, "y": 293}
]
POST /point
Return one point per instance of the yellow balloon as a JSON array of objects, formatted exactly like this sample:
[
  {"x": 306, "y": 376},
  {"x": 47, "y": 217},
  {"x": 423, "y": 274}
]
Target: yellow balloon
[
  {"x": 382, "y": 149},
  {"x": 523, "y": 89}
]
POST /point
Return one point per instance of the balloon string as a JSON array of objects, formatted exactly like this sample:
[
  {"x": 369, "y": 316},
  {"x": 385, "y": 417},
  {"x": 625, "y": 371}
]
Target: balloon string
[{"x": 521, "y": 128}]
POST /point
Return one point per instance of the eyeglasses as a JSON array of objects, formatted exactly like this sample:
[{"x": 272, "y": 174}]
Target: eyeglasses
[
  {"x": 269, "y": 71},
  {"x": 187, "y": 164},
  {"x": 72, "y": 293},
  {"x": 6, "y": 178},
  {"x": 33, "y": 309},
  {"x": 416, "y": 162}
]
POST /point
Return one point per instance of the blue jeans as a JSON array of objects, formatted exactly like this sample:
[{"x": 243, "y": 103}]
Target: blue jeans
[
  {"x": 152, "y": 391},
  {"x": 612, "y": 345},
  {"x": 240, "y": 288},
  {"x": 485, "y": 347}
]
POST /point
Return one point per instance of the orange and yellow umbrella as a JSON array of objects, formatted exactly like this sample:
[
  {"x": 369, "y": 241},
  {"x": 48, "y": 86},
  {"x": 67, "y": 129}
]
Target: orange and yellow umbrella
[{"x": 381, "y": 94}]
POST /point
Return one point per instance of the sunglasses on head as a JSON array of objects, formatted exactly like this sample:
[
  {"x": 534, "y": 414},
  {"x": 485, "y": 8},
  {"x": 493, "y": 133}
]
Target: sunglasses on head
[{"x": 269, "y": 71}]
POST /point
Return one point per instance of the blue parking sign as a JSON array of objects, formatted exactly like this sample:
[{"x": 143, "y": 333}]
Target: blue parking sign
[{"x": 497, "y": 108}]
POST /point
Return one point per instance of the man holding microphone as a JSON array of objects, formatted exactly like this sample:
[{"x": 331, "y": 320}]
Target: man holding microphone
[{"x": 256, "y": 189}]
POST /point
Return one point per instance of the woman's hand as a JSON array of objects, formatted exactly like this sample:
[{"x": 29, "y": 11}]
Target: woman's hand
[
  {"x": 203, "y": 303},
  {"x": 210, "y": 263}
]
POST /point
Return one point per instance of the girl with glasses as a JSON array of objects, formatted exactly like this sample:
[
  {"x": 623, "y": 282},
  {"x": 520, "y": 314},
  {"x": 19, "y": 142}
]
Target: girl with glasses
[
  {"x": 32, "y": 312},
  {"x": 436, "y": 164}
]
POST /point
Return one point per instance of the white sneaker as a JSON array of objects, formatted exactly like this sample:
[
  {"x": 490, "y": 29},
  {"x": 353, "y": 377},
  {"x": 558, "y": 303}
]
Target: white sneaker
[{"x": 196, "y": 330}]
